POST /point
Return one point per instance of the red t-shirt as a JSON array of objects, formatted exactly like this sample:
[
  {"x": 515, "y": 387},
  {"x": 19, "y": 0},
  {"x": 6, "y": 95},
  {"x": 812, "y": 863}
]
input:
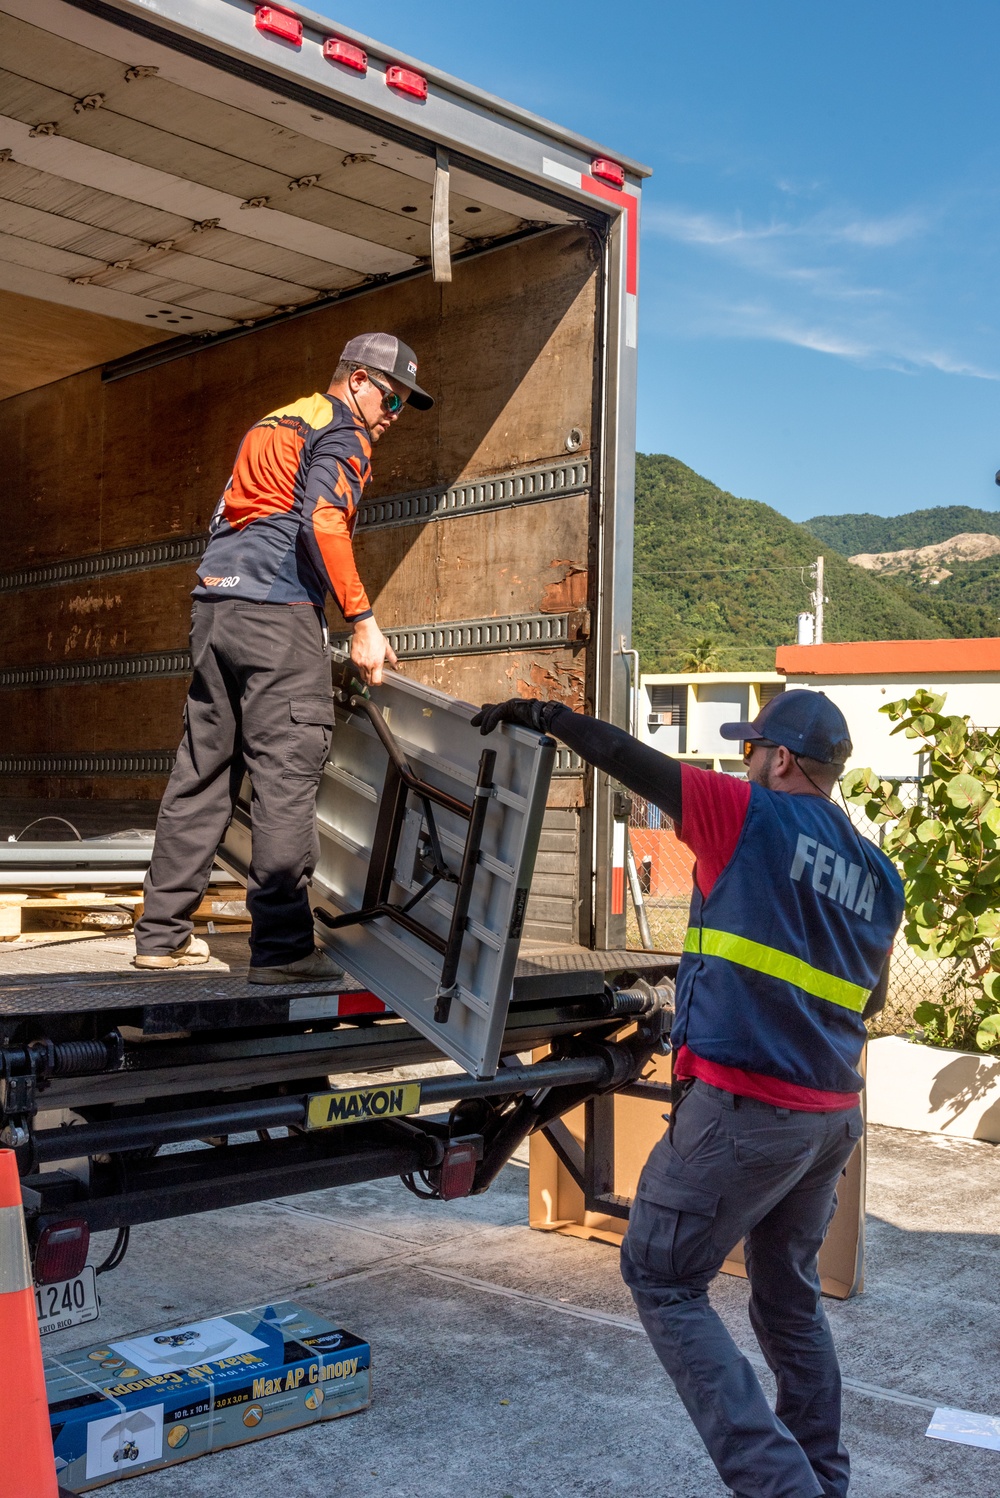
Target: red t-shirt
[{"x": 715, "y": 808}]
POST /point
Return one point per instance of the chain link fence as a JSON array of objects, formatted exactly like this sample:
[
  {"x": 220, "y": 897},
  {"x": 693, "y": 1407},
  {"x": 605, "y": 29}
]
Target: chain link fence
[{"x": 666, "y": 870}]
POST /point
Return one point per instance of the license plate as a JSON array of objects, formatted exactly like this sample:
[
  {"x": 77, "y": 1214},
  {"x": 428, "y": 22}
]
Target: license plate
[
  {"x": 67, "y": 1302},
  {"x": 328, "y": 1110}
]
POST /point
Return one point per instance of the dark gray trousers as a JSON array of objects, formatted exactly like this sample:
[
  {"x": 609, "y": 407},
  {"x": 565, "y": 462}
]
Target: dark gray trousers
[
  {"x": 261, "y": 702},
  {"x": 733, "y": 1168}
]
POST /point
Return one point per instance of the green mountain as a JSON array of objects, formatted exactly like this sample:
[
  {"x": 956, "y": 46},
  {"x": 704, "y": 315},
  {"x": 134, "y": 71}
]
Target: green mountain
[
  {"x": 853, "y": 533},
  {"x": 710, "y": 565}
]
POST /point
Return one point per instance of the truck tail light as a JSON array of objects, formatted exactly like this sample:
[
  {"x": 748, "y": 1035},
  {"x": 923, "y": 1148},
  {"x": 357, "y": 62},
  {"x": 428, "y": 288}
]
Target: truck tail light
[
  {"x": 335, "y": 49},
  {"x": 458, "y": 1168},
  {"x": 62, "y": 1250},
  {"x": 278, "y": 23},
  {"x": 608, "y": 171},
  {"x": 405, "y": 81}
]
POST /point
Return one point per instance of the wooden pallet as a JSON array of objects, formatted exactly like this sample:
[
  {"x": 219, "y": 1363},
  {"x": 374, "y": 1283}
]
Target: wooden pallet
[{"x": 24, "y": 914}]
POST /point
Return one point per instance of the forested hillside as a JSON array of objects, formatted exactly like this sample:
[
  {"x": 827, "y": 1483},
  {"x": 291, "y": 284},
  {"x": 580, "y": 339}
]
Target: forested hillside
[
  {"x": 853, "y": 533},
  {"x": 709, "y": 565}
]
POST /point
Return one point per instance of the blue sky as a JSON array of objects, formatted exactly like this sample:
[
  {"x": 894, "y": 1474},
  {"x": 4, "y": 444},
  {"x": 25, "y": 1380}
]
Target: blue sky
[{"x": 819, "y": 293}]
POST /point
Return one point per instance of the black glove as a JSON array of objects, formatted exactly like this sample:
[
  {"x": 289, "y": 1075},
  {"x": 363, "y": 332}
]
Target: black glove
[{"x": 524, "y": 712}]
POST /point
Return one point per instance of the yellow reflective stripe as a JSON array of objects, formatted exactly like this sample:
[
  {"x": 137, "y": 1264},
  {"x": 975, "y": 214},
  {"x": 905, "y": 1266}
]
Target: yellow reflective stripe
[{"x": 775, "y": 964}]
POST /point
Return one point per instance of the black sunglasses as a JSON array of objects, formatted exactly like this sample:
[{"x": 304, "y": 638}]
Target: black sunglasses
[
  {"x": 749, "y": 745},
  {"x": 390, "y": 400}
]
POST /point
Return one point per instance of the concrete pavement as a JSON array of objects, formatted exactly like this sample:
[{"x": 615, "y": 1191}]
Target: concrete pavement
[{"x": 510, "y": 1364}]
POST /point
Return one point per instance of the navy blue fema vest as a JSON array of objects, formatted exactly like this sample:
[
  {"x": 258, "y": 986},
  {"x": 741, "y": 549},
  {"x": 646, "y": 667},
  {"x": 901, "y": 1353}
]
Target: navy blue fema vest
[{"x": 780, "y": 959}]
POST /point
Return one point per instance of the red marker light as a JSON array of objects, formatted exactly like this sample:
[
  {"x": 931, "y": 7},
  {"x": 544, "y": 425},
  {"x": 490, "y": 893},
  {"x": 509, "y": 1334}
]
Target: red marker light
[
  {"x": 337, "y": 50},
  {"x": 405, "y": 81},
  {"x": 608, "y": 171},
  {"x": 279, "y": 23}
]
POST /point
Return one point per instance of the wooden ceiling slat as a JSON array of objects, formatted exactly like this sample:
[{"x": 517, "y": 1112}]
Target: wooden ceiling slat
[
  {"x": 254, "y": 254},
  {"x": 215, "y": 275},
  {"x": 295, "y": 276},
  {"x": 182, "y": 157},
  {"x": 181, "y": 294},
  {"x": 46, "y": 257},
  {"x": 221, "y": 305},
  {"x": 103, "y": 210},
  {"x": 25, "y": 100},
  {"x": 57, "y": 61},
  {"x": 65, "y": 233},
  {"x": 372, "y": 182},
  {"x": 168, "y": 276}
]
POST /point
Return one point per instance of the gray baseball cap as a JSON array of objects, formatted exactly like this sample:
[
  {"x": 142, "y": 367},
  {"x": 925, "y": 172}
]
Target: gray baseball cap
[{"x": 390, "y": 355}]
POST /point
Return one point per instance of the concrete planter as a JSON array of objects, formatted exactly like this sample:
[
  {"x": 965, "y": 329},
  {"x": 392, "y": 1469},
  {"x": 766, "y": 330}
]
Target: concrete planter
[{"x": 912, "y": 1086}]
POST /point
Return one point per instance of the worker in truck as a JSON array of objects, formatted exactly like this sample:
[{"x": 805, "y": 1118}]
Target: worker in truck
[
  {"x": 793, "y": 915},
  {"x": 261, "y": 695}
]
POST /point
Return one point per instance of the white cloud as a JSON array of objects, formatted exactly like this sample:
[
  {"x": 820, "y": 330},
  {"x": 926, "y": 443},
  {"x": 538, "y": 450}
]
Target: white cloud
[
  {"x": 879, "y": 347},
  {"x": 826, "y": 228},
  {"x": 838, "y": 282},
  {"x": 877, "y": 233}
]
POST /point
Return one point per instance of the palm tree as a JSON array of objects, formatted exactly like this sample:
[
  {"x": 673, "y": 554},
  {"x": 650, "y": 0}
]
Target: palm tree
[{"x": 703, "y": 656}]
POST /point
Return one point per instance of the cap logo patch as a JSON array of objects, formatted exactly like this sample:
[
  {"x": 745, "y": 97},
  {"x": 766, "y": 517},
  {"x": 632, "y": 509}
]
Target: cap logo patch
[{"x": 411, "y": 368}]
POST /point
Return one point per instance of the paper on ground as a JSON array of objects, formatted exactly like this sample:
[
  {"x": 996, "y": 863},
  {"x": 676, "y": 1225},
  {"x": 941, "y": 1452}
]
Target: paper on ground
[{"x": 965, "y": 1427}]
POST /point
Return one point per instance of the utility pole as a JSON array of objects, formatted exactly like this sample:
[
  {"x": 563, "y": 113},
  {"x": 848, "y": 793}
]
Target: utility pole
[{"x": 818, "y": 599}]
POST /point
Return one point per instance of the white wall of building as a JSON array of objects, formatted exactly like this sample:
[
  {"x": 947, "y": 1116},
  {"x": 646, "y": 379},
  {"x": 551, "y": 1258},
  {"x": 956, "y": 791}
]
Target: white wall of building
[{"x": 860, "y": 698}]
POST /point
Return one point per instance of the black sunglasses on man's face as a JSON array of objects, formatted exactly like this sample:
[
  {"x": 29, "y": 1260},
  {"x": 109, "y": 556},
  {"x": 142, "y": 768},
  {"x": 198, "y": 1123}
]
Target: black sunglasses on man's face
[
  {"x": 749, "y": 745},
  {"x": 390, "y": 400}
]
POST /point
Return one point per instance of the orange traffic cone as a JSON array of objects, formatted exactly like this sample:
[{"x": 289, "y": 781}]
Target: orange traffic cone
[{"x": 27, "y": 1466}]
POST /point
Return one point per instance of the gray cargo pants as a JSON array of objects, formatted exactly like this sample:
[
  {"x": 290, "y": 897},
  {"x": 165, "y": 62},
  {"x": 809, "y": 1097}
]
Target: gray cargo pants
[
  {"x": 733, "y": 1168},
  {"x": 261, "y": 701}
]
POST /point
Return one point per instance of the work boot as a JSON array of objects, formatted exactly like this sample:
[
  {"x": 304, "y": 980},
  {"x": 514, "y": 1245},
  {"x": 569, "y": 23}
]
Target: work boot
[
  {"x": 315, "y": 968},
  {"x": 193, "y": 952}
]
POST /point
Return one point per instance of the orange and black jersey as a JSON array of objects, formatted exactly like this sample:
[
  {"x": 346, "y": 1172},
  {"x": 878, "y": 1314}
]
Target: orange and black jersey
[{"x": 282, "y": 530}]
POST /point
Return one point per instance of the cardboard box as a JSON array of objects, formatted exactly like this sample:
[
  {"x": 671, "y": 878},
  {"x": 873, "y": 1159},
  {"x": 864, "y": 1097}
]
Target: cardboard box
[
  {"x": 126, "y": 1407},
  {"x": 556, "y": 1202}
]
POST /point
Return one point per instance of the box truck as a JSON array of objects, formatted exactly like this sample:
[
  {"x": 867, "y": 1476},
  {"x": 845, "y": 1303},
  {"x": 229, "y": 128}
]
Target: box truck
[{"x": 201, "y": 201}]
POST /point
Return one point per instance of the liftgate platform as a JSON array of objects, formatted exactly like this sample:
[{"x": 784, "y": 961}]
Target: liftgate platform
[{"x": 428, "y": 833}]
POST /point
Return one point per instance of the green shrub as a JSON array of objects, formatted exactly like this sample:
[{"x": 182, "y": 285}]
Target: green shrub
[{"x": 947, "y": 849}]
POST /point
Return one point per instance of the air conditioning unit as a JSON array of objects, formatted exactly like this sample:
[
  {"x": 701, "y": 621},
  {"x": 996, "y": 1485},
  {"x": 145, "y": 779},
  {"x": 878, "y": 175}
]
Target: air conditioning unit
[{"x": 660, "y": 720}]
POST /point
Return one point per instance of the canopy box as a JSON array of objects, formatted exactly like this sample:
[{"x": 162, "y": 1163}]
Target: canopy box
[{"x": 131, "y": 1406}]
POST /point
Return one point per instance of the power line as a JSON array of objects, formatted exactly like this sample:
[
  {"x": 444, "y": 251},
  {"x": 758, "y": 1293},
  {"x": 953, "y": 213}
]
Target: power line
[{"x": 743, "y": 567}]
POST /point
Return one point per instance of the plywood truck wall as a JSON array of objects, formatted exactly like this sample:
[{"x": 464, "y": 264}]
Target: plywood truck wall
[{"x": 94, "y": 467}]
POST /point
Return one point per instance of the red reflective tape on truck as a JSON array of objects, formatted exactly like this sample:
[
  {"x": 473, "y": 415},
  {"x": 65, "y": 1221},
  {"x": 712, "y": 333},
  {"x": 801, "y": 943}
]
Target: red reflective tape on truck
[
  {"x": 630, "y": 204},
  {"x": 278, "y": 23},
  {"x": 359, "y": 1003},
  {"x": 618, "y": 867}
]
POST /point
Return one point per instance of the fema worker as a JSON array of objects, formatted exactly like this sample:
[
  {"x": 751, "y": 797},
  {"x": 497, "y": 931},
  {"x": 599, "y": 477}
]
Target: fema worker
[
  {"x": 261, "y": 699},
  {"x": 792, "y": 919}
]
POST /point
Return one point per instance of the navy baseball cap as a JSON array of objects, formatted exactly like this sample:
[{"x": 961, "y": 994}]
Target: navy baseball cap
[{"x": 807, "y": 723}]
